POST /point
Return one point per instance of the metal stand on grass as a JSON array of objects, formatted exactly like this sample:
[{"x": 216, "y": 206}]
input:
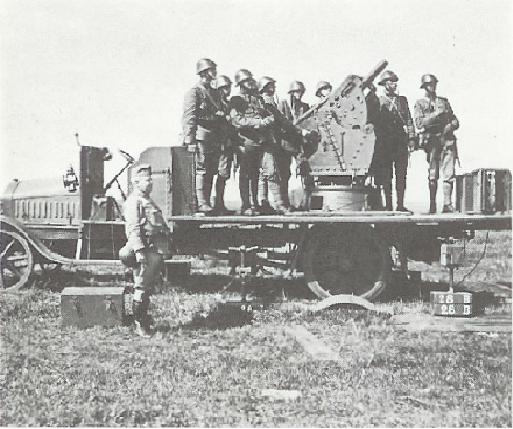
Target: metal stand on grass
[{"x": 243, "y": 263}]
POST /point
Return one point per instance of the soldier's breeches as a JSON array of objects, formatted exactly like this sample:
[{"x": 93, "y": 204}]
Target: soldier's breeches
[
  {"x": 270, "y": 174},
  {"x": 308, "y": 182},
  {"x": 284, "y": 160},
  {"x": 401, "y": 170},
  {"x": 269, "y": 167},
  {"x": 207, "y": 158},
  {"x": 442, "y": 162},
  {"x": 244, "y": 191},
  {"x": 248, "y": 175},
  {"x": 448, "y": 165},
  {"x": 146, "y": 274},
  {"x": 250, "y": 164},
  {"x": 274, "y": 188}
]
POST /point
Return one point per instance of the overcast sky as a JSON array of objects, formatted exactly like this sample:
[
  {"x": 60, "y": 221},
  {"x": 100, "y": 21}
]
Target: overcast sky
[{"x": 116, "y": 71}]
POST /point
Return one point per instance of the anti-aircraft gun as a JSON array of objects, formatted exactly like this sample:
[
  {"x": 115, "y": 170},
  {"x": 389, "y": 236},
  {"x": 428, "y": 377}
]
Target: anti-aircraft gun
[{"x": 340, "y": 163}]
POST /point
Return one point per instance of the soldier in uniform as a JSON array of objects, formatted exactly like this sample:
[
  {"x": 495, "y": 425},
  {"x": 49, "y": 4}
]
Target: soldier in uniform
[
  {"x": 323, "y": 89},
  {"x": 254, "y": 126},
  {"x": 145, "y": 230},
  {"x": 228, "y": 144},
  {"x": 293, "y": 108},
  {"x": 397, "y": 135},
  {"x": 201, "y": 122},
  {"x": 436, "y": 123},
  {"x": 275, "y": 171}
]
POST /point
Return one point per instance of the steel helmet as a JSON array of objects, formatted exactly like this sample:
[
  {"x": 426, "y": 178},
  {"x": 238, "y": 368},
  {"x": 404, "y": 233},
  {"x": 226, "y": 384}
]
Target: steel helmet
[
  {"x": 204, "y": 64},
  {"x": 242, "y": 75},
  {"x": 427, "y": 78},
  {"x": 222, "y": 81},
  {"x": 297, "y": 86},
  {"x": 264, "y": 81},
  {"x": 387, "y": 75},
  {"x": 321, "y": 85}
]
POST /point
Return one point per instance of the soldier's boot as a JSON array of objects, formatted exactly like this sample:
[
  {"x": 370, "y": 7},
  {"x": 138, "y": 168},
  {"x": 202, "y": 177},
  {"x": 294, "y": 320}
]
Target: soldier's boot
[
  {"x": 254, "y": 194},
  {"x": 246, "y": 209},
  {"x": 275, "y": 191},
  {"x": 265, "y": 208},
  {"x": 209, "y": 180},
  {"x": 432, "y": 196},
  {"x": 141, "y": 319},
  {"x": 201, "y": 194},
  {"x": 284, "y": 191},
  {"x": 263, "y": 196},
  {"x": 400, "y": 201},
  {"x": 306, "y": 197},
  {"x": 389, "y": 206},
  {"x": 219, "y": 207},
  {"x": 447, "y": 189}
]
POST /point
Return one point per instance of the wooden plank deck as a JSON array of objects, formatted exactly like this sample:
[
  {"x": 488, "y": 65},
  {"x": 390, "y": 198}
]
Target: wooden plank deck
[{"x": 494, "y": 222}]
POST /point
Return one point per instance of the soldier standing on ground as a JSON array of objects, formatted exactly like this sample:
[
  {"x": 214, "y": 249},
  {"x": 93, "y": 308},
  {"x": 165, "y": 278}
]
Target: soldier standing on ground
[
  {"x": 201, "y": 129},
  {"x": 293, "y": 108},
  {"x": 254, "y": 126},
  {"x": 436, "y": 123},
  {"x": 397, "y": 135},
  {"x": 145, "y": 230}
]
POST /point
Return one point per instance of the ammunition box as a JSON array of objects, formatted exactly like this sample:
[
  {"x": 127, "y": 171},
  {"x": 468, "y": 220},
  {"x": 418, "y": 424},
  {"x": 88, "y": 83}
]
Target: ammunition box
[
  {"x": 89, "y": 306},
  {"x": 484, "y": 191}
]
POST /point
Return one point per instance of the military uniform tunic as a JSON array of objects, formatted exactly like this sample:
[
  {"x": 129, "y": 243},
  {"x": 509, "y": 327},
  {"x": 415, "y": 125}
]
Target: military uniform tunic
[
  {"x": 394, "y": 129},
  {"x": 292, "y": 112},
  {"x": 432, "y": 116},
  {"x": 146, "y": 232},
  {"x": 228, "y": 141},
  {"x": 251, "y": 119},
  {"x": 202, "y": 124}
]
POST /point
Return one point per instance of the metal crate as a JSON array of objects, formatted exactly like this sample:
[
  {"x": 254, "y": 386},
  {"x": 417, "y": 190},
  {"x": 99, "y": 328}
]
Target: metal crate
[{"x": 485, "y": 190}]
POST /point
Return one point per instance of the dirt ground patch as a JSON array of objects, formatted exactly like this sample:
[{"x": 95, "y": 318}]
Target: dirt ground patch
[
  {"x": 206, "y": 368},
  {"x": 211, "y": 367}
]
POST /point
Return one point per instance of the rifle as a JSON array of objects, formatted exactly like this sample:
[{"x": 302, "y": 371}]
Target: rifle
[
  {"x": 310, "y": 111},
  {"x": 287, "y": 127}
]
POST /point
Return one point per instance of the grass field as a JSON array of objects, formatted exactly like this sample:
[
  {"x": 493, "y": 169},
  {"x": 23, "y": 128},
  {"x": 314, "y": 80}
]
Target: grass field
[{"x": 210, "y": 368}]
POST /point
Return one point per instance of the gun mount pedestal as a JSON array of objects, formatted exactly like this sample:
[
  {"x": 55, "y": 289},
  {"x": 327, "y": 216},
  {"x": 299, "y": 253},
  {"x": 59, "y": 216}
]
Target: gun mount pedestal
[{"x": 344, "y": 194}]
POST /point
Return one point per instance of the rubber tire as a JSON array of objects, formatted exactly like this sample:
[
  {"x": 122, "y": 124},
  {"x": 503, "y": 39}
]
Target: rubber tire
[{"x": 315, "y": 248}]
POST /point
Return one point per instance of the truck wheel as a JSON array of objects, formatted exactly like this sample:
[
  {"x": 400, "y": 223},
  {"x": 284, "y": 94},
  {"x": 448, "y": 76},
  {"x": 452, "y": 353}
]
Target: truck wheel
[
  {"x": 16, "y": 261},
  {"x": 346, "y": 260}
]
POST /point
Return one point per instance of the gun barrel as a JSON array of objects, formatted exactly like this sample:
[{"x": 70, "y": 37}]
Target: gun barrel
[
  {"x": 374, "y": 73},
  {"x": 309, "y": 112}
]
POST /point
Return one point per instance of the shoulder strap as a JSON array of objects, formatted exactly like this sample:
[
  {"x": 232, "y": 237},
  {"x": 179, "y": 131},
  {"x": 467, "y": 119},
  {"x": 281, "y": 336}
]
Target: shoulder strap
[
  {"x": 139, "y": 208},
  {"x": 209, "y": 96}
]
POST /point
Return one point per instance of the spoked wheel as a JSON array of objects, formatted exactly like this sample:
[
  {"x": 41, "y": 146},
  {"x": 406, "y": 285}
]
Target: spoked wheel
[
  {"x": 16, "y": 261},
  {"x": 346, "y": 260}
]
